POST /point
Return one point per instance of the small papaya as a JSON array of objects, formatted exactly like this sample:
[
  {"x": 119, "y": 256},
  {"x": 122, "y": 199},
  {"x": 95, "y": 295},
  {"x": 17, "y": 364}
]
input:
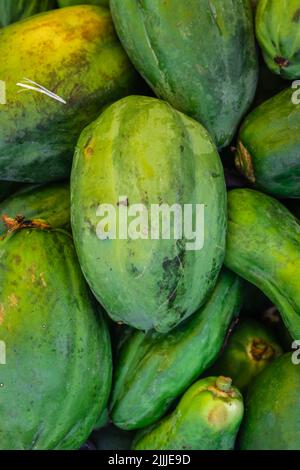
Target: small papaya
[
  {"x": 263, "y": 246},
  {"x": 277, "y": 31},
  {"x": 16, "y": 10},
  {"x": 207, "y": 417},
  {"x": 250, "y": 349}
]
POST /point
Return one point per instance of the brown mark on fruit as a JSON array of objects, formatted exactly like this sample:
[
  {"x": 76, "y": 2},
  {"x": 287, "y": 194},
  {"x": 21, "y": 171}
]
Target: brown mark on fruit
[
  {"x": 243, "y": 162},
  {"x": 218, "y": 415},
  {"x": 281, "y": 61},
  {"x": 260, "y": 350}
]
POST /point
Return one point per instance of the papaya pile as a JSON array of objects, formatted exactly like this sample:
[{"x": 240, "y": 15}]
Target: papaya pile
[{"x": 149, "y": 225}]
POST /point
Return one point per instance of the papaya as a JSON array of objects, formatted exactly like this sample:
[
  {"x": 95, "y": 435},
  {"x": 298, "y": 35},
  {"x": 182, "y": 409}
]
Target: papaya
[
  {"x": 7, "y": 188},
  {"x": 75, "y": 54},
  {"x": 112, "y": 438},
  {"x": 250, "y": 349},
  {"x": 158, "y": 368},
  {"x": 55, "y": 380},
  {"x": 267, "y": 148},
  {"x": 143, "y": 176},
  {"x": 277, "y": 32},
  {"x": 68, "y": 3},
  {"x": 263, "y": 247},
  {"x": 198, "y": 55},
  {"x": 272, "y": 408},
  {"x": 207, "y": 417},
  {"x": 50, "y": 203},
  {"x": 16, "y": 10}
]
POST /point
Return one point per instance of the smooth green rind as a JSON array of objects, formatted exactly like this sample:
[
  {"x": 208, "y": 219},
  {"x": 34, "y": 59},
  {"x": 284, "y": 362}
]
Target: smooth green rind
[
  {"x": 263, "y": 246},
  {"x": 144, "y": 150},
  {"x": 250, "y": 349},
  {"x": 206, "y": 418},
  {"x": 16, "y": 10},
  {"x": 68, "y": 3},
  {"x": 272, "y": 409},
  {"x": 50, "y": 203},
  {"x": 278, "y": 34},
  {"x": 198, "y": 55},
  {"x": 85, "y": 65},
  {"x": 57, "y": 375},
  {"x": 268, "y": 145},
  {"x": 158, "y": 368}
]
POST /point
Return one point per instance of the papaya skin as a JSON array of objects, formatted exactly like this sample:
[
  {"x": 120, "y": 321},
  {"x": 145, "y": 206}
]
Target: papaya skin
[
  {"x": 158, "y": 368},
  {"x": 85, "y": 65},
  {"x": 53, "y": 335},
  {"x": 68, "y": 3},
  {"x": 263, "y": 247},
  {"x": 198, "y": 55},
  {"x": 143, "y": 149},
  {"x": 16, "y": 10},
  {"x": 277, "y": 31},
  {"x": 268, "y": 146},
  {"x": 207, "y": 417},
  {"x": 272, "y": 408}
]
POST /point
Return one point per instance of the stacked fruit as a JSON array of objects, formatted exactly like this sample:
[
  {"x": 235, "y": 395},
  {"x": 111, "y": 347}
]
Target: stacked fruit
[{"x": 151, "y": 337}]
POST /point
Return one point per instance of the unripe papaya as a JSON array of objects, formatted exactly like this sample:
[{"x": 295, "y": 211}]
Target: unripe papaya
[
  {"x": 16, "y": 10},
  {"x": 207, "y": 417},
  {"x": 50, "y": 203},
  {"x": 272, "y": 408},
  {"x": 263, "y": 246},
  {"x": 199, "y": 55},
  {"x": 68, "y": 3},
  {"x": 57, "y": 373},
  {"x": 141, "y": 157},
  {"x": 277, "y": 31},
  {"x": 158, "y": 368},
  {"x": 250, "y": 349},
  {"x": 73, "y": 53}
]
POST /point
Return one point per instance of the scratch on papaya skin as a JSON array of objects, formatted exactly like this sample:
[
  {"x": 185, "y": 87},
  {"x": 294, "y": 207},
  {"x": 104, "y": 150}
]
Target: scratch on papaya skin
[
  {"x": 19, "y": 223},
  {"x": 243, "y": 162},
  {"x": 1, "y": 314}
]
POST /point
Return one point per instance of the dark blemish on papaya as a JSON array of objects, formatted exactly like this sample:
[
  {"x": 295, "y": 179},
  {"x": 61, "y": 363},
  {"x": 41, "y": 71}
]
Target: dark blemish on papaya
[
  {"x": 181, "y": 148},
  {"x": 17, "y": 259},
  {"x": 296, "y": 17},
  {"x": 133, "y": 269},
  {"x": 215, "y": 175},
  {"x": 89, "y": 152},
  {"x": 281, "y": 61}
]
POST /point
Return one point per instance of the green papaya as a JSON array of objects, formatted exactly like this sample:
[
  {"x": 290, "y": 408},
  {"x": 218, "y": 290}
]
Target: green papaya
[
  {"x": 50, "y": 203},
  {"x": 138, "y": 162},
  {"x": 7, "y": 188},
  {"x": 112, "y": 438},
  {"x": 16, "y": 10},
  {"x": 85, "y": 67},
  {"x": 272, "y": 408},
  {"x": 267, "y": 149},
  {"x": 263, "y": 246},
  {"x": 277, "y": 31},
  {"x": 198, "y": 55},
  {"x": 68, "y": 3},
  {"x": 158, "y": 368},
  {"x": 250, "y": 349},
  {"x": 207, "y": 417},
  {"x": 55, "y": 381}
]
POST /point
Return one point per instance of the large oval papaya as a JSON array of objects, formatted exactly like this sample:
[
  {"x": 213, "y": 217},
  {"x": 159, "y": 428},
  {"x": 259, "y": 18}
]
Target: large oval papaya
[
  {"x": 57, "y": 373},
  {"x": 277, "y": 31},
  {"x": 16, "y": 10},
  {"x": 268, "y": 145},
  {"x": 263, "y": 246},
  {"x": 143, "y": 157},
  {"x": 73, "y": 53},
  {"x": 158, "y": 368},
  {"x": 198, "y": 55}
]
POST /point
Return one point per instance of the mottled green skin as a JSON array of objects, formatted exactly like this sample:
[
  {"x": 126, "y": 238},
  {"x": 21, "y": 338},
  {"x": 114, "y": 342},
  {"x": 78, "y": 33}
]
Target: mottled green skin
[
  {"x": 50, "y": 203},
  {"x": 68, "y": 3},
  {"x": 57, "y": 376},
  {"x": 7, "y": 188},
  {"x": 263, "y": 246},
  {"x": 272, "y": 409},
  {"x": 241, "y": 359},
  {"x": 85, "y": 66},
  {"x": 16, "y": 10},
  {"x": 203, "y": 420},
  {"x": 159, "y": 368},
  {"x": 145, "y": 150},
  {"x": 112, "y": 438},
  {"x": 268, "y": 146},
  {"x": 278, "y": 33},
  {"x": 197, "y": 55}
]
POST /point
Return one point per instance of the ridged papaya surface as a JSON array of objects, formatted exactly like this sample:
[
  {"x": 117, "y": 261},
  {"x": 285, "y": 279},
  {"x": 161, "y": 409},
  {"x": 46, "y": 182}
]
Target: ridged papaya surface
[
  {"x": 158, "y": 368},
  {"x": 75, "y": 54},
  {"x": 278, "y": 34},
  {"x": 199, "y": 55},
  {"x": 68, "y": 3},
  {"x": 16, "y": 10},
  {"x": 56, "y": 378},
  {"x": 268, "y": 145},
  {"x": 50, "y": 203},
  {"x": 263, "y": 246},
  {"x": 207, "y": 417},
  {"x": 273, "y": 407},
  {"x": 139, "y": 157}
]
